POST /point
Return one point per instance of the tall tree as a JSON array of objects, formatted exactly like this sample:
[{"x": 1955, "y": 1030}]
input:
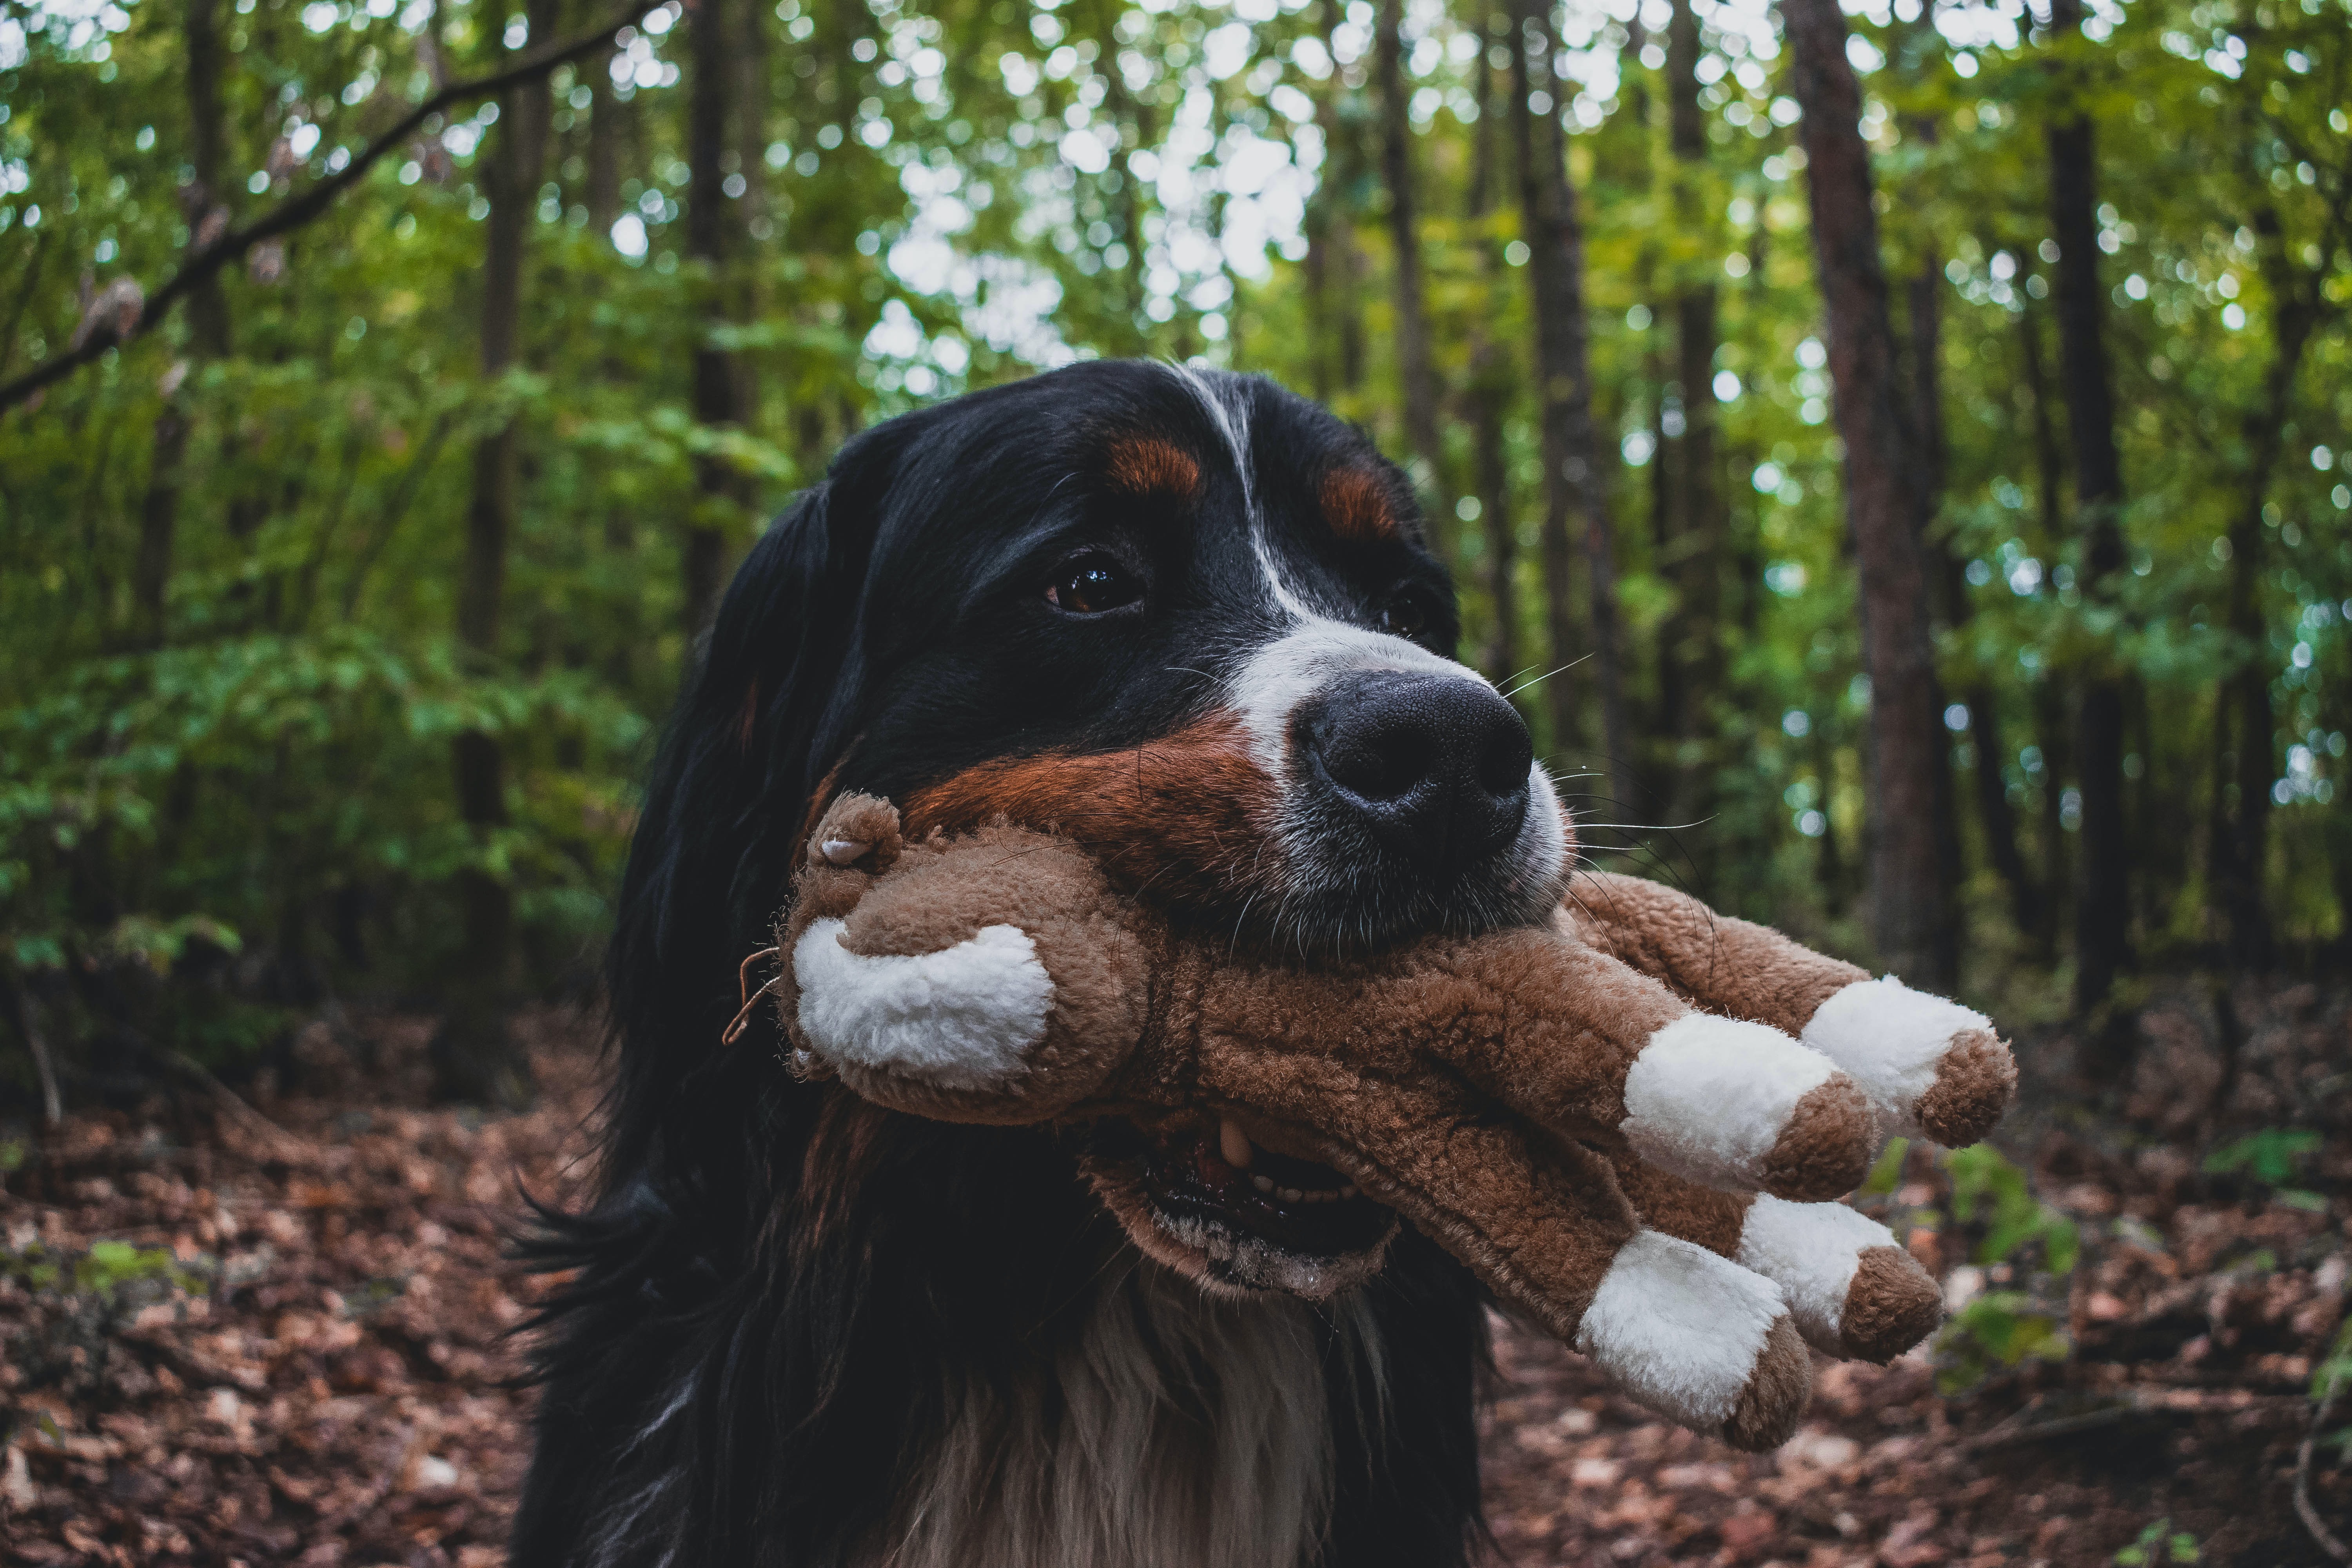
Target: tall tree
[
  {"x": 208, "y": 326},
  {"x": 474, "y": 1056},
  {"x": 2103, "y": 890},
  {"x": 1574, "y": 488},
  {"x": 2051, "y": 722},
  {"x": 1911, "y": 906},
  {"x": 710, "y": 242},
  {"x": 208, "y": 323},
  {"x": 1493, "y": 373},
  {"x": 1335, "y": 264},
  {"x": 1693, "y": 528},
  {"x": 1416, "y": 370},
  {"x": 2245, "y": 727}
]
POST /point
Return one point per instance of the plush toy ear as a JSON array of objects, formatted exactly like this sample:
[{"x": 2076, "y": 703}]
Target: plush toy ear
[{"x": 991, "y": 978}]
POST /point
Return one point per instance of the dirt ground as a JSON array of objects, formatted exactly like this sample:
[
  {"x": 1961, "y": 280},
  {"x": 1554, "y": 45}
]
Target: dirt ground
[{"x": 299, "y": 1357}]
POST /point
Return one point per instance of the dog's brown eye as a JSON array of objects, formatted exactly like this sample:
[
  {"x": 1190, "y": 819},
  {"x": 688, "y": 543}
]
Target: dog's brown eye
[
  {"x": 1405, "y": 617},
  {"x": 1091, "y": 584}
]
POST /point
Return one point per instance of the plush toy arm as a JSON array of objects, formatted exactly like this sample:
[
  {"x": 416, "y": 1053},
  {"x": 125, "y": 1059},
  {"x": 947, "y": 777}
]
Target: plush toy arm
[
  {"x": 1542, "y": 1223},
  {"x": 1930, "y": 1066},
  {"x": 1578, "y": 1044},
  {"x": 1854, "y": 1292},
  {"x": 993, "y": 979}
]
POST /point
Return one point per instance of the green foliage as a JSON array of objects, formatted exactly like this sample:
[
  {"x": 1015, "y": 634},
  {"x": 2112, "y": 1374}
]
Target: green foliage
[
  {"x": 1995, "y": 1329},
  {"x": 2270, "y": 1156},
  {"x": 104, "y": 1272},
  {"x": 239, "y": 798},
  {"x": 2159, "y": 1545},
  {"x": 2026, "y": 1239},
  {"x": 1888, "y": 1169},
  {"x": 1989, "y": 1191}
]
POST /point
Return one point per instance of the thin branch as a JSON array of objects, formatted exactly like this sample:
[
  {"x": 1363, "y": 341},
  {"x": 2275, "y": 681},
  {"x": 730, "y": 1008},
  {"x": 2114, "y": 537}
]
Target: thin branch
[
  {"x": 297, "y": 210},
  {"x": 2303, "y": 1506},
  {"x": 28, "y": 1024}
]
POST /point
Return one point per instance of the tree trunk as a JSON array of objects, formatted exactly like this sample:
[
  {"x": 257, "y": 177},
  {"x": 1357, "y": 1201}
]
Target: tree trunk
[
  {"x": 1572, "y": 474},
  {"x": 1492, "y": 375},
  {"x": 208, "y": 329},
  {"x": 709, "y": 242},
  {"x": 1416, "y": 371},
  {"x": 1695, "y": 566},
  {"x": 2103, "y": 896},
  {"x": 1926, "y": 300},
  {"x": 1334, "y": 267},
  {"x": 474, "y": 1056},
  {"x": 2245, "y": 691},
  {"x": 606, "y": 113},
  {"x": 1911, "y": 907}
]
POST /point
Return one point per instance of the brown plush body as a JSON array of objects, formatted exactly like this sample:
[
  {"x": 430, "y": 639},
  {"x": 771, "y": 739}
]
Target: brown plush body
[{"x": 1608, "y": 1118}]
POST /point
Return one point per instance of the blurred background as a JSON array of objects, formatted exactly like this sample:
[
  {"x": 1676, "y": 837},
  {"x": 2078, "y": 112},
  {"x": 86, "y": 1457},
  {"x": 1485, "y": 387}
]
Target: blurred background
[
  {"x": 1895, "y": 455},
  {"x": 343, "y": 592}
]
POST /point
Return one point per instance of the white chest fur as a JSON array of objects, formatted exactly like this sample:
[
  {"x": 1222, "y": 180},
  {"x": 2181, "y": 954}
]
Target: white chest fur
[{"x": 1176, "y": 1431}]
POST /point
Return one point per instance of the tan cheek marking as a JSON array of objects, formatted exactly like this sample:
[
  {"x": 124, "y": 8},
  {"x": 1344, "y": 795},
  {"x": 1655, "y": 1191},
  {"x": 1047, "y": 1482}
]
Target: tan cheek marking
[
  {"x": 1147, "y": 465},
  {"x": 1182, "y": 817},
  {"x": 1356, "y": 506}
]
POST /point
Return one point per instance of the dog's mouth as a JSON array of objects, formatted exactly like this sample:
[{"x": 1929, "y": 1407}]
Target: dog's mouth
[{"x": 1207, "y": 1194}]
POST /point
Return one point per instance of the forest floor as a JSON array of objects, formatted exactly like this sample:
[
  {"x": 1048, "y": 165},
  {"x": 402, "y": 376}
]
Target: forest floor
[{"x": 279, "y": 1336}]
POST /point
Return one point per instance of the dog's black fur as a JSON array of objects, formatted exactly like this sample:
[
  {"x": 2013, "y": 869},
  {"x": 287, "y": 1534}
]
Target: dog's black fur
[{"x": 761, "y": 1317}]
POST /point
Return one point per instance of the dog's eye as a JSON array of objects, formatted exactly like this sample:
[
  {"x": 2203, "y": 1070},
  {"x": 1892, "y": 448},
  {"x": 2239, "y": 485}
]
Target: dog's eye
[
  {"x": 1091, "y": 584},
  {"x": 1405, "y": 616}
]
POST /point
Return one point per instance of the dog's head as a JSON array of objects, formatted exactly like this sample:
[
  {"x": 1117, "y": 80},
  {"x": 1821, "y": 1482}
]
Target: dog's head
[{"x": 1182, "y": 617}]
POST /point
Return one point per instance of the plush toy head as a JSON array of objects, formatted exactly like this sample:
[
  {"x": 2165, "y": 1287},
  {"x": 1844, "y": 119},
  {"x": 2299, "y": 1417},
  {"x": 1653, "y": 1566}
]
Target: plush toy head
[{"x": 1647, "y": 1179}]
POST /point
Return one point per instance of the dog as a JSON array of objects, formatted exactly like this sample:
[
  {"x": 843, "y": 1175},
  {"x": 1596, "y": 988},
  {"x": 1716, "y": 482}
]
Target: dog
[{"x": 1193, "y": 621}]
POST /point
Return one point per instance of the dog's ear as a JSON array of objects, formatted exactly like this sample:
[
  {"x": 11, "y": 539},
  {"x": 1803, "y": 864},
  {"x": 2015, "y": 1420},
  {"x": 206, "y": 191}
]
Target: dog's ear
[{"x": 769, "y": 703}]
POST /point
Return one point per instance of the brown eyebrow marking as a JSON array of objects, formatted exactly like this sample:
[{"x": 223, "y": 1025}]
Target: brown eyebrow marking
[
  {"x": 1356, "y": 505},
  {"x": 1152, "y": 465}
]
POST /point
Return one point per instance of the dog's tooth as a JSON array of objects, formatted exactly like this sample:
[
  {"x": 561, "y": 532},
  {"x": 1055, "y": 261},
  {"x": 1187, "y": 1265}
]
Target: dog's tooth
[
  {"x": 1291, "y": 1194},
  {"x": 1349, "y": 1191},
  {"x": 1263, "y": 1183},
  {"x": 1234, "y": 1143},
  {"x": 843, "y": 851}
]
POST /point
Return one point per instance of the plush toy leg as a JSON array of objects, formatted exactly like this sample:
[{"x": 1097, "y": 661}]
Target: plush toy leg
[
  {"x": 1687, "y": 1333},
  {"x": 1852, "y": 1293},
  {"x": 1575, "y": 1036},
  {"x": 1928, "y": 1066}
]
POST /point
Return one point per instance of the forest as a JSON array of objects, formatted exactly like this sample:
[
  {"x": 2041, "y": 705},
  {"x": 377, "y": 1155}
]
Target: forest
[{"x": 1896, "y": 454}]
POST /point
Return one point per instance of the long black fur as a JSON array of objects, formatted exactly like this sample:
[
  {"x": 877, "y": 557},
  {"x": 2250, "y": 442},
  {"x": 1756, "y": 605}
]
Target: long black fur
[{"x": 762, "y": 1311}]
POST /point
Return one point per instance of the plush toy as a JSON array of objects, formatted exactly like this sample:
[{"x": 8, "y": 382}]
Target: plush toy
[{"x": 1627, "y": 1121}]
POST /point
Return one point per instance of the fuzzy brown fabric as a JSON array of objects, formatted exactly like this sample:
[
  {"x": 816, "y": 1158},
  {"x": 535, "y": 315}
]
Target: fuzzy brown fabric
[
  {"x": 1475, "y": 1085},
  {"x": 1892, "y": 1305},
  {"x": 1713, "y": 962},
  {"x": 1826, "y": 1149},
  {"x": 1778, "y": 1392},
  {"x": 1974, "y": 1084}
]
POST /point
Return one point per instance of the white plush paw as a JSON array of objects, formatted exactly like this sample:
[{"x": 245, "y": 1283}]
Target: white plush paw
[
  {"x": 1930, "y": 1066},
  {"x": 1727, "y": 1104},
  {"x": 1698, "y": 1339},
  {"x": 963, "y": 1017},
  {"x": 1850, "y": 1289}
]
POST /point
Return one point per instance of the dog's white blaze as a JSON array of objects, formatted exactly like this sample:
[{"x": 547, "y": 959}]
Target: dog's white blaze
[
  {"x": 1233, "y": 424},
  {"x": 1708, "y": 1097},
  {"x": 1810, "y": 1250},
  {"x": 1679, "y": 1328},
  {"x": 1891, "y": 1039},
  {"x": 1268, "y": 688},
  {"x": 963, "y": 1018}
]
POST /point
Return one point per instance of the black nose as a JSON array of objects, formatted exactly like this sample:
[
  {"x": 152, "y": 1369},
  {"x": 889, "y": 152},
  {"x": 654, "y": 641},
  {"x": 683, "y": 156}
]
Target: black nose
[{"x": 1435, "y": 766}]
